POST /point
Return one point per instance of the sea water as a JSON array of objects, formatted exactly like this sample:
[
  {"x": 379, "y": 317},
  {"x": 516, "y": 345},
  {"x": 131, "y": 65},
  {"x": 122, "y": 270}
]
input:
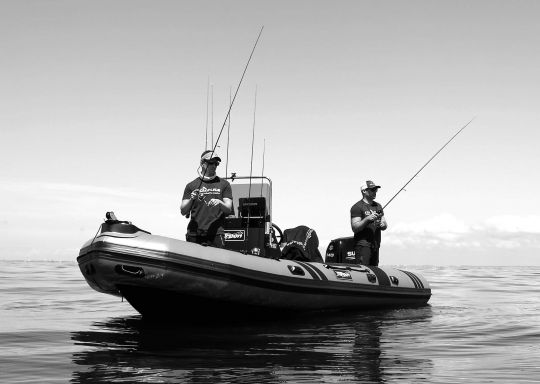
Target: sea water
[{"x": 482, "y": 326}]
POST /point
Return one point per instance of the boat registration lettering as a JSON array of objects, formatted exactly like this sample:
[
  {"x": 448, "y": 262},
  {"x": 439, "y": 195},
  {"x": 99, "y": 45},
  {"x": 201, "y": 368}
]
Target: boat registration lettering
[
  {"x": 235, "y": 235},
  {"x": 343, "y": 274}
]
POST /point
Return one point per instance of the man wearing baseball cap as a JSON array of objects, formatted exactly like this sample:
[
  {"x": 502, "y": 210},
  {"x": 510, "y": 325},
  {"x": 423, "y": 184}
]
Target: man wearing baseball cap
[
  {"x": 207, "y": 199},
  {"x": 367, "y": 222}
]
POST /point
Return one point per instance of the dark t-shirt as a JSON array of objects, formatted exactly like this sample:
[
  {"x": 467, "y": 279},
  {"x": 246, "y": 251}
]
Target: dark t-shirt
[
  {"x": 203, "y": 217},
  {"x": 370, "y": 236}
]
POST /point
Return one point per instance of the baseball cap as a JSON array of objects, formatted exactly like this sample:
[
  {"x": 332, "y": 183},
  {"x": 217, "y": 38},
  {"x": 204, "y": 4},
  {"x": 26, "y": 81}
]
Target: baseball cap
[
  {"x": 210, "y": 156},
  {"x": 369, "y": 185}
]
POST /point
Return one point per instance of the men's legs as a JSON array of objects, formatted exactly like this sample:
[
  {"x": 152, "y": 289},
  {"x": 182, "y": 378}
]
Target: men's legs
[
  {"x": 374, "y": 257},
  {"x": 362, "y": 255},
  {"x": 213, "y": 240},
  {"x": 199, "y": 238},
  {"x": 218, "y": 241}
]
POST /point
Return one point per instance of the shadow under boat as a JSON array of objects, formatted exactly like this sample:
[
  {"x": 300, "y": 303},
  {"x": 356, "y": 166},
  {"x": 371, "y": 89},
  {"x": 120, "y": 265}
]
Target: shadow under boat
[{"x": 350, "y": 345}]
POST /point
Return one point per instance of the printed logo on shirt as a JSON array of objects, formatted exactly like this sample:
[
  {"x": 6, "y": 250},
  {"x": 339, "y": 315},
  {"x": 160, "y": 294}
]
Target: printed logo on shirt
[
  {"x": 209, "y": 191},
  {"x": 204, "y": 192}
]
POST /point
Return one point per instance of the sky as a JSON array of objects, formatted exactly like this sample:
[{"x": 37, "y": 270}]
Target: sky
[{"x": 103, "y": 107}]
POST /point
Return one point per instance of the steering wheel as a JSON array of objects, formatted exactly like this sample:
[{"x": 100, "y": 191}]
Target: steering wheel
[{"x": 276, "y": 233}]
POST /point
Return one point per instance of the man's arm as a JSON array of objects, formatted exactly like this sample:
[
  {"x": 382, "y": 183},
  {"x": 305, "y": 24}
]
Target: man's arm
[
  {"x": 186, "y": 204},
  {"x": 227, "y": 205},
  {"x": 358, "y": 224}
]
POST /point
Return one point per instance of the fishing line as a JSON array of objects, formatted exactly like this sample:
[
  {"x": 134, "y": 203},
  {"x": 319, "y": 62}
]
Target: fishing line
[{"x": 432, "y": 157}]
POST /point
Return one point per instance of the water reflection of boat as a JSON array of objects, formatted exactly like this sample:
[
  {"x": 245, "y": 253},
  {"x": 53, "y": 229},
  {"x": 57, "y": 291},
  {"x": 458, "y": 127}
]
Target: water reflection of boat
[
  {"x": 164, "y": 277},
  {"x": 370, "y": 346}
]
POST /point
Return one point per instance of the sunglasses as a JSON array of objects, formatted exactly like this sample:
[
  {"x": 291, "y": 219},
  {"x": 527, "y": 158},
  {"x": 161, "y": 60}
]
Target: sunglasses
[{"x": 216, "y": 163}]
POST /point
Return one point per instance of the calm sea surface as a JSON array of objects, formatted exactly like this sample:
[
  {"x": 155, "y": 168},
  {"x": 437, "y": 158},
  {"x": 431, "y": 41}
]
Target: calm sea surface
[{"x": 483, "y": 326}]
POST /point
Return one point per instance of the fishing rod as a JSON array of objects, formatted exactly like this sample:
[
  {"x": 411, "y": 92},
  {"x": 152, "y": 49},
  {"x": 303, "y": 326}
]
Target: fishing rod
[
  {"x": 228, "y": 136},
  {"x": 432, "y": 157},
  {"x": 232, "y": 102},
  {"x": 206, "y": 125},
  {"x": 212, "y": 112},
  {"x": 246, "y": 237},
  {"x": 262, "y": 172},
  {"x": 252, "y": 143}
]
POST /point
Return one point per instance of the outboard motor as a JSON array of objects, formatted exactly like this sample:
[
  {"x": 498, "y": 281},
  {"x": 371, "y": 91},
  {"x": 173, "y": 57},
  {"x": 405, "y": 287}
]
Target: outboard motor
[{"x": 341, "y": 251}]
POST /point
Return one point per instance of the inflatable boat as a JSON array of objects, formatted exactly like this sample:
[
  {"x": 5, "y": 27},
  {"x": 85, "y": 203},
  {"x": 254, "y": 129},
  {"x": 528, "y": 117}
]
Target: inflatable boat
[{"x": 166, "y": 277}]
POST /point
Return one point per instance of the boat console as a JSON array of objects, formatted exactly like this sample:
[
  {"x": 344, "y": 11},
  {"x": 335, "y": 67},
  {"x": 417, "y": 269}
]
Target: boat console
[{"x": 250, "y": 229}]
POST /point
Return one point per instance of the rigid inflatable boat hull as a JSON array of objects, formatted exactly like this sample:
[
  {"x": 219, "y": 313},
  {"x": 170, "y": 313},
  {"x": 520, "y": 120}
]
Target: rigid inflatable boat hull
[{"x": 162, "y": 277}]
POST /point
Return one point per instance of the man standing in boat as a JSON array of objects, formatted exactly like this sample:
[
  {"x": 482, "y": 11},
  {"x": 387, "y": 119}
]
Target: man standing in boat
[
  {"x": 367, "y": 222},
  {"x": 207, "y": 199}
]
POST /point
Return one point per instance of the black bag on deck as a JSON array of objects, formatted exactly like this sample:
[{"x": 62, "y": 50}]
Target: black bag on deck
[{"x": 302, "y": 244}]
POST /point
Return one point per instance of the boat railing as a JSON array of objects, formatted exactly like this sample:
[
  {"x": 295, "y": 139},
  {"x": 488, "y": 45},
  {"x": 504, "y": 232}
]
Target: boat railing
[{"x": 251, "y": 196}]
